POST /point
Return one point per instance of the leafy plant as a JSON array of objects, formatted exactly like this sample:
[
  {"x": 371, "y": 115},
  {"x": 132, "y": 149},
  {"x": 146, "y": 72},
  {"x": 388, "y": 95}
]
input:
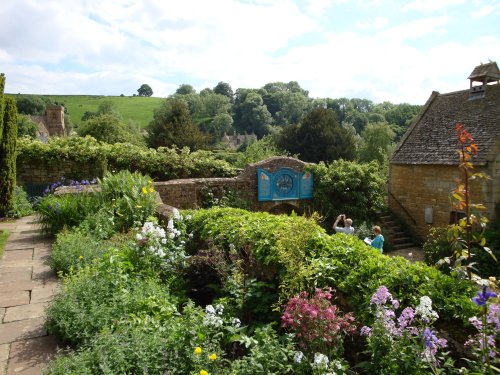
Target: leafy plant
[
  {"x": 21, "y": 206},
  {"x": 469, "y": 231}
]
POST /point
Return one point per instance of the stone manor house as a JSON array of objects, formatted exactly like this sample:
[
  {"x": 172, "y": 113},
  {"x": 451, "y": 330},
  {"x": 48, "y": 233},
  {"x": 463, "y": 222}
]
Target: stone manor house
[
  {"x": 424, "y": 167},
  {"x": 52, "y": 124}
]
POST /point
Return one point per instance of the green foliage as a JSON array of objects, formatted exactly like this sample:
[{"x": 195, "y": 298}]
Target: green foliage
[
  {"x": 259, "y": 150},
  {"x": 358, "y": 190},
  {"x": 74, "y": 249},
  {"x": 268, "y": 354},
  {"x": 163, "y": 164},
  {"x": 251, "y": 114},
  {"x": 21, "y": 206},
  {"x": 130, "y": 196},
  {"x": 222, "y": 197},
  {"x": 172, "y": 126},
  {"x": 98, "y": 297},
  {"x": 8, "y": 153},
  {"x": 56, "y": 212},
  {"x": 145, "y": 90},
  {"x": 318, "y": 138},
  {"x": 109, "y": 128},
  {"x": 26, "y": 127},
  {"x": 342, "y": 262},
  {"x": 377, "y": 141},
  {"x": 32, "y": 104},
  {"x": 436, "y": 246},
  {"x": 4, "y": 235}
]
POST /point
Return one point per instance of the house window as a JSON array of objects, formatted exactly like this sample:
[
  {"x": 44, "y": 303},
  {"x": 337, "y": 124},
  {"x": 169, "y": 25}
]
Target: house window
[{"x": 455, "y": 216}]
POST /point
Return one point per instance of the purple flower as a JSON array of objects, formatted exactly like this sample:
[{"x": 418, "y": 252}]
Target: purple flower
[
  {"x": 432, "y": 343},
  {"x": 494, "y": 316},
  {"x": 406, "y": 318},
  {"x": 381, "y": 296},
  {"x": 365, "y": 331},
  {"x": 482, "y": 297}
]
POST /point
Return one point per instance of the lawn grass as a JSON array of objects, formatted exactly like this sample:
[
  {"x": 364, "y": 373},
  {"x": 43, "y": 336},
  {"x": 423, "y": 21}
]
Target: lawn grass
[
  {"x": 4, "y": 234},
  {"x": 137, "y": 108}
]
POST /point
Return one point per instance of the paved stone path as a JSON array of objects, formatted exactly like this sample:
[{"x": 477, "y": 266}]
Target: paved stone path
[
  {"x": 415, "y": 254},
  {"x": 27, "y": 285}
]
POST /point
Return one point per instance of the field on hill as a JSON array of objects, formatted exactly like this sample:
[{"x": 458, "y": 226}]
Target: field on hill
[{"x": 137, "y": 108}]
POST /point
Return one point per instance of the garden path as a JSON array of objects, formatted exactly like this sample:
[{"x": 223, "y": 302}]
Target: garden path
[{"x": 27, "y": 285}]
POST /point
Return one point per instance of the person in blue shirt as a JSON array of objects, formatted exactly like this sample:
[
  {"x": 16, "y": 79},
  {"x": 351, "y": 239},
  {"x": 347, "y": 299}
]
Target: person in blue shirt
[{"x": 378, "y": 241}]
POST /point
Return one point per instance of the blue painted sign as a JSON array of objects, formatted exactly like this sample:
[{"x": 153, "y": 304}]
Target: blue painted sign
[{"x": 284, "y": 184}]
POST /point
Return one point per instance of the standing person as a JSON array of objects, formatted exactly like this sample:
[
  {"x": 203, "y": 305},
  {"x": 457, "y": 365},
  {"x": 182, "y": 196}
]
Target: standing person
[
  {"x": 378, "y": 241},
  {"x": 347, "y": 228}
]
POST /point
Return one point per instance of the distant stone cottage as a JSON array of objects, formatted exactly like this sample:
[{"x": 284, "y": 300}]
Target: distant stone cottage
[
  {"x": 52, "y": 124},
  {"x": 235, "y": 140},
  {"x": 424, "y": 167}
]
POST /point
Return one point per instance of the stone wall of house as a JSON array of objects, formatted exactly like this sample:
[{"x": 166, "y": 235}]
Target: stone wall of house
[
  {"x": 419, "y": 194},
  {"x": 46, "y": 173},
  {"x": 188, "y": 193}
]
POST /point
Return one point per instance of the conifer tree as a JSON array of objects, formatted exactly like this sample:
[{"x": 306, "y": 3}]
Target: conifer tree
[{"x": 8, "y": 154}]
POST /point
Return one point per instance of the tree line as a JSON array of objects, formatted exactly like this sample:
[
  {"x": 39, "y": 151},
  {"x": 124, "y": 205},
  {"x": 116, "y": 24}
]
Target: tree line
[{"x": 315, "y": 129}]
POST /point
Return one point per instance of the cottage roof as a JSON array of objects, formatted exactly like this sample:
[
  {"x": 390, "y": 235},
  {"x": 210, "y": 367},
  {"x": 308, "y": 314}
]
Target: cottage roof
[{"x": 431, "y": 139}]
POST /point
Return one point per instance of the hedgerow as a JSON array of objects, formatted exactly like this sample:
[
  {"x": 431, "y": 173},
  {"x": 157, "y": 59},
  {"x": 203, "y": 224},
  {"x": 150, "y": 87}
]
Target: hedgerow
[{"x": 160, "y": 164}]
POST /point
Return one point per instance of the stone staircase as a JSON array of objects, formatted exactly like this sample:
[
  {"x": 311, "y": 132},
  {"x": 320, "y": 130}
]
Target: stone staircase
[{"x": 397, "y": 235}]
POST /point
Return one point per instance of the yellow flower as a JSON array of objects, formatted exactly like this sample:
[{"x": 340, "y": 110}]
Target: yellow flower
[
  {"x": 150, "y": 182},
  {"x": 197, "y": 350},
  {"x": 151, "y": 190},
  {"x": 212, "y": 357},
  {"x": 144, "y": 190},
  {"x": 80, "y": 257},
  {"x": 203, "y": 372}
]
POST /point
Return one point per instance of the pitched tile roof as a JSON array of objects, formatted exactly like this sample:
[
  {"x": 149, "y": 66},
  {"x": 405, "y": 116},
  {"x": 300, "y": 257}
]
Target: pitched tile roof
[{"x": 431, "y": 138}]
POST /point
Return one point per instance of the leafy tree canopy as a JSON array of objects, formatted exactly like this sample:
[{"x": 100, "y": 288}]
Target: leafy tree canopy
[
  {"x": 185, "y": 89},
  {"x": 145, "y": 90},
  {"x": 109, "y": 128}
]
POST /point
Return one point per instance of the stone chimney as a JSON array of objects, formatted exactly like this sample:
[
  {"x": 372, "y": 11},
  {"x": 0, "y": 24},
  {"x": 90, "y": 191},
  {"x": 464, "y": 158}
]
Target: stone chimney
[{"x": 55, "y": 120}]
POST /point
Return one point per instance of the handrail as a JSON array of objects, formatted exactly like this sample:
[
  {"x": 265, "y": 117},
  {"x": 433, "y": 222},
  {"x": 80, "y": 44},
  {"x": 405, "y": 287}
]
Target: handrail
[{"x": 403, "y": 207}]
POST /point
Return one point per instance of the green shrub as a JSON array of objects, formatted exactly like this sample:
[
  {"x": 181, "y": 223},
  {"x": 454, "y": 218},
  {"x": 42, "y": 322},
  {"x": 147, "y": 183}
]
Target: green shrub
[
  {"x": 74, "y": 249},
  {"x": 339, "y": 261},
  {"x": 66, "y": 210},
  {"x": 98, "y": 296},
  {"x": 130, "y": 196},
  {"x": 345, "y": 187},
  {"x": 21, "y": 206}
]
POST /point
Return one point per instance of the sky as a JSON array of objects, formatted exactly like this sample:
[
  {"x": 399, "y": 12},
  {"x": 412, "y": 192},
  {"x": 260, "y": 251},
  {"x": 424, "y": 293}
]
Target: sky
[{"x": 382, "y": 50}]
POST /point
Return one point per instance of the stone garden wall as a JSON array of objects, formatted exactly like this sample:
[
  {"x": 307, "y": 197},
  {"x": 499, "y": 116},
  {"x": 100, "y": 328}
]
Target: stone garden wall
[{"x": 188, "y": 193}]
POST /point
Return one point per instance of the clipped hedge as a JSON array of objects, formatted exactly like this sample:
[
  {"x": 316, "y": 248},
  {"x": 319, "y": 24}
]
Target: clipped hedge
[
  {"x": 160, "y": 164},
  {"x": 300, "y": 250}
]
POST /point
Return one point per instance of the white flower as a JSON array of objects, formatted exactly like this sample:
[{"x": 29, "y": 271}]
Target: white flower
[
  {"x": 209, "y": 309},
  {"x": 138, "y": 237},
  {"x": 298, "y": 356},
  {"x": 219, "y": 308},
  {"x": 320, "y": 361},
  {"x": 236, "y": 322},
  {"x": 424, "y": 309},
  {"x": 160, "y": 253},
  {"x": 189, "y": 217},
  {"x": 171, "y": 235},
  {"x": 163, "y": 241},
  {"x": 170, "y": 224},
  {"x": 176, "y": 213}
]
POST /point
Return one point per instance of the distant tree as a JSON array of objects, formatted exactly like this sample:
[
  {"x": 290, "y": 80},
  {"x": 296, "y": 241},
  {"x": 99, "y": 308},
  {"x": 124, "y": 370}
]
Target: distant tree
[
  {"x": 172, "y": 125},
  {"x": 109, "y": 128},
  {"x": 318, "y": 138},
  {"x": 8, "y": 151},
  {"x": 251, "y": 114},
  {"x": 217, "y": 126},
  {"x": 145, "y": 90},
  {"x": 225, "y": 89},
  {"x": 31, "y": 104},
  {"x": 26, "y": 127},
  {"x": 105, "y": 107},
  {"x": 377, "y": 141},
  {"x": 402, "y": 114},
  {"x": 185, "y": 89},
  {"x": 358, "y": 120}
]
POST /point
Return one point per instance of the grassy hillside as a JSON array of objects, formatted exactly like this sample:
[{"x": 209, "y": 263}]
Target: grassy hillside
[{"x": 138, "y": 109}]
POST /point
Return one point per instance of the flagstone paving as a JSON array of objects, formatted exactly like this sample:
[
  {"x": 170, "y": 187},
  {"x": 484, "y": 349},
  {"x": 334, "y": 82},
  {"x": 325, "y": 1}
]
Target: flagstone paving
[{"x": 27, "y": 285}]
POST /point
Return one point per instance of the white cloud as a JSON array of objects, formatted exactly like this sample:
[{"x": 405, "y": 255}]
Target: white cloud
[
  {"x": 484, "y": 11},
  {"x": 431, "y": 5}
]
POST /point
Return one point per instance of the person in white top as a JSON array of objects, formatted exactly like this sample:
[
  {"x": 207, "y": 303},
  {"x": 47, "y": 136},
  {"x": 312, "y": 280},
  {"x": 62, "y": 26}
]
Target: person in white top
[{"x": 347, "y": 228}]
